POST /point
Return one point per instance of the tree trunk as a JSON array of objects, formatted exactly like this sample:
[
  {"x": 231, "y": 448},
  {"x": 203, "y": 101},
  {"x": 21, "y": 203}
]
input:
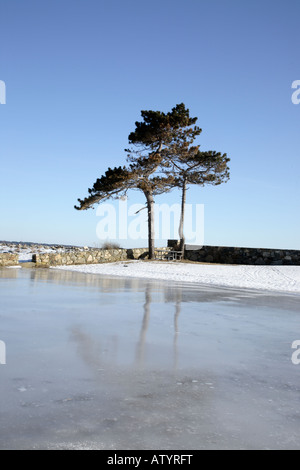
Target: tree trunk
[
  {"x": 181, "y": 223},
  {"x": 150, "y": 209}
]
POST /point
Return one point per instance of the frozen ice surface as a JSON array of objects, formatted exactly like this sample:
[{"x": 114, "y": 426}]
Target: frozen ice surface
[{"x": 95, "y": 362}]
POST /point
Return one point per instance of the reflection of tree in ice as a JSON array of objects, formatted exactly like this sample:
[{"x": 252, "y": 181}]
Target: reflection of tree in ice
[
  {"x": 95, "y": 353},
  {"x": 89, "y": 350},
  {"x": 176, "y": 328},
  {"x": 140, "y": 352},
  {"x": 98, "y": 353}
]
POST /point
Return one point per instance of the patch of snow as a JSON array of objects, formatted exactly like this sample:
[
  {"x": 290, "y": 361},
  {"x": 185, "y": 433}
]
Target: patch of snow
[
  {"x": 271, "y": 278},
  {"x": 26, "y": 251}
]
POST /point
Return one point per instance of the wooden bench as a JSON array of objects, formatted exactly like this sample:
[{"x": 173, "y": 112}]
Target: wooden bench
[
  {"x": 175, "y": 255},
  {"x": 169, "y": 255}
]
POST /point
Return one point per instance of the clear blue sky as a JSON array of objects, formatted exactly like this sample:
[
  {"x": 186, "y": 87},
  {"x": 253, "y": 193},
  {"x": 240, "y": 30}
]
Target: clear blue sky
[{"x": 78, "y": 73}]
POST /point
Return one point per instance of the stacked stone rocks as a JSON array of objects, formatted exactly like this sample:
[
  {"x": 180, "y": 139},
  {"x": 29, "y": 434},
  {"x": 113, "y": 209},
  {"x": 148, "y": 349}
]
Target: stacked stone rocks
[
  {"x": 87, "y": 256},
  {"x": 9, "y": 259},
  {"x": 254, "y": 256}
]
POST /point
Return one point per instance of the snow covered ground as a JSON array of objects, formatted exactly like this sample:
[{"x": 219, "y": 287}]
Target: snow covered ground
[
  {"x": 25, "y": 250},
  {"x": 271, "y": 278}
]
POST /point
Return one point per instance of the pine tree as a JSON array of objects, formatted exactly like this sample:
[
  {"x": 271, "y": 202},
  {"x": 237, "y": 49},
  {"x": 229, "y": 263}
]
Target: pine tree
[
  {"x": 162, "y": 156},
  {"x": 169, "y": 136},
  {"x": 118, "y": 181},
  {"x": 188, "y": 166}
]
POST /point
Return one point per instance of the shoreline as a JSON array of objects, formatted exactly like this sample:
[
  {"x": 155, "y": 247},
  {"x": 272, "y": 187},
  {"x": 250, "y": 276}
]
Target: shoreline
[
  {"x": 279, "y": 279},
  {"x": 269, "y": 278}
]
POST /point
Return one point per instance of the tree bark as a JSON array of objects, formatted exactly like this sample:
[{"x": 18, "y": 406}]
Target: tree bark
[
  {"x": 181, "y": 223},
  {"x": 151, "y": 235}
]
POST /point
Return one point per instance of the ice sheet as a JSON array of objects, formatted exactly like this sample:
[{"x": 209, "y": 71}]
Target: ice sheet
[{"x": 95, "y": 362}]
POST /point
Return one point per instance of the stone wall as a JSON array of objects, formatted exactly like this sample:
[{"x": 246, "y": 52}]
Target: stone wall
[
  {"x": 207, "y": 254},
  {"x": 88, "y": 256},
  {"x": 9, "y": 259},
  {"x": 233, "y": 255}
]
